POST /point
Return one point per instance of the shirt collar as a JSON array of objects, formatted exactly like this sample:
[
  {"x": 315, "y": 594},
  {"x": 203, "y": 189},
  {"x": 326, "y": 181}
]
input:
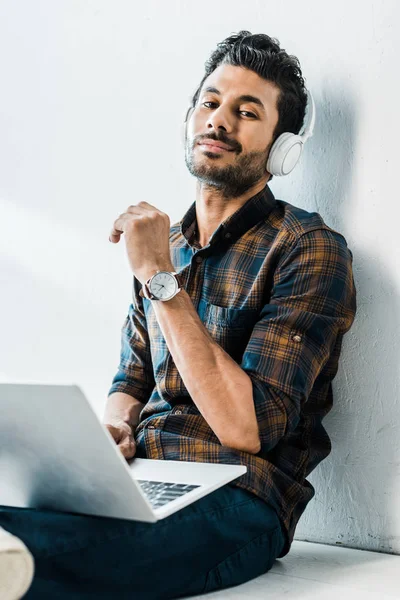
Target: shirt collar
[{"x": 256, "y": 209}]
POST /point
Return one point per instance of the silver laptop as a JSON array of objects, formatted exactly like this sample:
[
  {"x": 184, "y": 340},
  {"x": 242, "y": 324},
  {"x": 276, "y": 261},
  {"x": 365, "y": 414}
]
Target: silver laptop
[{"x": 56, "y": 454}]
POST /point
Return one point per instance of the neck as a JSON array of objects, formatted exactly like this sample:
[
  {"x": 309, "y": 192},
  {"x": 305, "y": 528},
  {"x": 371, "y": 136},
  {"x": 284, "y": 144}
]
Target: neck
[{"x": 212, "y": 207}]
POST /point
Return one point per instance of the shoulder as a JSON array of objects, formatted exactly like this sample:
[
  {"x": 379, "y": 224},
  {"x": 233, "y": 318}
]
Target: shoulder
[
  {"x": 293, "y": 225},
  {"x": 295, "y": 221}
]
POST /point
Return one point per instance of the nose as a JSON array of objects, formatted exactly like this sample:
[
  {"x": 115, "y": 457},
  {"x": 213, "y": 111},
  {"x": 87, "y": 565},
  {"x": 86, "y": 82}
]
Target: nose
[{"x": 219, "y": 120}]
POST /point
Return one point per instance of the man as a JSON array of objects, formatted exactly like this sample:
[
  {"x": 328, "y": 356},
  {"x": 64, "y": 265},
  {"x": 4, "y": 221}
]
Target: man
[{"x": 236, "y": 366}]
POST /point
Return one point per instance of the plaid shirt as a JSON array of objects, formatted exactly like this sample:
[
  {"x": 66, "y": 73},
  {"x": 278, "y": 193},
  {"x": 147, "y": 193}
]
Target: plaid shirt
[{"x": 274, "y": 287}]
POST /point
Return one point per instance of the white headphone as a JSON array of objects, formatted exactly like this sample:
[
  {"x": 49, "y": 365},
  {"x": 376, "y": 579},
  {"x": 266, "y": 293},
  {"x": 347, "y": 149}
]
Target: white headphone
[{"x": 286, "y": 150}]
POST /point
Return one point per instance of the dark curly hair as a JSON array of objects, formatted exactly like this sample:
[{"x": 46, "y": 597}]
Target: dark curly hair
[{"x": 263, "y": 55}]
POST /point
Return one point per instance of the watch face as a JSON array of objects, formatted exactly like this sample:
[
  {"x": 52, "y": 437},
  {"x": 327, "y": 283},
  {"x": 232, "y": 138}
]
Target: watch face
[{"x": 163, "y": 285}]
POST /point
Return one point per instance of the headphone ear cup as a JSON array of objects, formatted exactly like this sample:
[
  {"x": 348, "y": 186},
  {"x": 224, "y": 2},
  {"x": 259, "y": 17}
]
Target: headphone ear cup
[{"x": 284, "y": 154}]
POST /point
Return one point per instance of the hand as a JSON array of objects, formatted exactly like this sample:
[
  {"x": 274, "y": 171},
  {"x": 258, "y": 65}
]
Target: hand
[
  {"x": 123, "y": 436},
  {"x": 146, "y": 232}
]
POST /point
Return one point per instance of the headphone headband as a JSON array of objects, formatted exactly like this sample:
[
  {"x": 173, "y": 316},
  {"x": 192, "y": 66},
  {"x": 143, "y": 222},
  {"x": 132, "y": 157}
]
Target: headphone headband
[{"x": 309, "y": 118}]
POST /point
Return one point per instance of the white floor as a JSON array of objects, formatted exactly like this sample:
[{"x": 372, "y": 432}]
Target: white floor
[{"x": 317, "y": 571}]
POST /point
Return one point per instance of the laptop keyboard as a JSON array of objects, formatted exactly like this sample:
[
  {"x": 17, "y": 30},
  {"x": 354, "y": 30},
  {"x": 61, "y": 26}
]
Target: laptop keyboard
[{"x": 162, "y": 492}]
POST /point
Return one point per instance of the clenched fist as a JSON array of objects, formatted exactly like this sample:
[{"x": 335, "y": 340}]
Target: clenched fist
[{"x": 146, "y": 230}]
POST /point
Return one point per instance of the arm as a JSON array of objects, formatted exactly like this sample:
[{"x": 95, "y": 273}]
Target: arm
[
  {"x": 313, "y": 302},
  {"x": 134, "y": 377},
  {"x": 224, "y": 397},
  {"x": 147, "y": 230},
  {"x": 121, "y": 417},
  {"x": 133, "y": 381},
  {"x": 121, "y": 407}
]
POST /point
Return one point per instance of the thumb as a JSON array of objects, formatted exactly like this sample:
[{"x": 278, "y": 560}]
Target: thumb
[{"x": 114, "y": 238}]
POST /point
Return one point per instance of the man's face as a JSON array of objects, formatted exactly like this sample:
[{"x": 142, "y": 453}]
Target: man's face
[{"x": 221, "y": 115}]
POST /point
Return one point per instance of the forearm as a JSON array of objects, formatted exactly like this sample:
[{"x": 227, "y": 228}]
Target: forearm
[
  {"x": 221, "y": 390},
  {"x": 122, "y": 407}
]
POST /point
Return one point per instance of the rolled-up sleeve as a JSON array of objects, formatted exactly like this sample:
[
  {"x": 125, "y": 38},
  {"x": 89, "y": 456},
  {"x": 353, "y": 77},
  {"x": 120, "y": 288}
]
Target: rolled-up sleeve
[
  {"x": 312, "y": 304},
  {"x": 135, "y": 371}
]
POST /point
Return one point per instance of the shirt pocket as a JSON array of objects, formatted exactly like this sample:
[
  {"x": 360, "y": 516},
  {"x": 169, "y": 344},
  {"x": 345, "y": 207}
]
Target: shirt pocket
[{"x": 230, "y": 327}]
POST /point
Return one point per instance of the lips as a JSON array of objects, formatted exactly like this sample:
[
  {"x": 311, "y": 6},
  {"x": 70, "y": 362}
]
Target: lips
[{"x": 215, "y": 143}]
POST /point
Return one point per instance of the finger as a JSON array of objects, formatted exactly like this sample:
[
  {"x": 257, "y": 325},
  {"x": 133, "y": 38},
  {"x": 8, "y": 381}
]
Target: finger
[
  {"x": 115, "y": 432},
  {"x": 128, "y": 452},
  {"x": 127, "y": 446},
  {"x": 137, "y": 210},
  {"x": 121, "y": 224},
  {"x": 141, "y": 206},
  {"x": 145, "y": 209},
  {"x": 117, "y": 230}
]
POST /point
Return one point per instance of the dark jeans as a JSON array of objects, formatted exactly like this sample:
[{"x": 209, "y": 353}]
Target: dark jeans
[{"x": 226, "y": 538}]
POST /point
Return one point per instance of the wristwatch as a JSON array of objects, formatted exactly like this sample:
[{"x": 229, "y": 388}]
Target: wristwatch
[{"x": 163, "y": 285}]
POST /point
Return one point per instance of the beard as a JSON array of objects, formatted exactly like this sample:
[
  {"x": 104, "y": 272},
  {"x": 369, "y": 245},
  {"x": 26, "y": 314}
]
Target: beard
[{"x": 232, "y": 180}]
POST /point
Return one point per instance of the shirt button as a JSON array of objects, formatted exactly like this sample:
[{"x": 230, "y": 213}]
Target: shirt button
[
  {"x": 199, "y": 259},
  {"x": 228, "y": 235},
  {"x": 296, "y": 338},
  {"x": 178, "y": 412}
]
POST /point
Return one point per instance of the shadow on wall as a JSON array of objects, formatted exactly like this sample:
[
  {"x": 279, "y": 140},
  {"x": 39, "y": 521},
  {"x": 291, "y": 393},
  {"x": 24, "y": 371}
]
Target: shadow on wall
[{"x": 355, "y": 486}]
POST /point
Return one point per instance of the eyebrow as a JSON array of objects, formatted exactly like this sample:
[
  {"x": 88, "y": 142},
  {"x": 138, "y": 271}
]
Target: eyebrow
[{"x": 243, "y": 98}]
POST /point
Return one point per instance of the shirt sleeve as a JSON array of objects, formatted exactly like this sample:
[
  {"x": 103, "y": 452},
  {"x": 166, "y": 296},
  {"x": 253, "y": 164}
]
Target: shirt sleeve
[
  {"x": 135, "y": 374},
  {"x": 312, "y": 305}
]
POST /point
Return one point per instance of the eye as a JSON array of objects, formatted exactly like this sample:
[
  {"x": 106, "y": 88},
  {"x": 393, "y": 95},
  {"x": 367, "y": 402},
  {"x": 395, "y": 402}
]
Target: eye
[
  {"x": 253, "y": 116},
  {"x": 249, "y": 113},
  {"x": 208, "y": 102}
]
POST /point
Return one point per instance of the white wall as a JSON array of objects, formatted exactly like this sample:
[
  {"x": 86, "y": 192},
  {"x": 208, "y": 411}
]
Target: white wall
[{"x": 92, "y": 98}]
